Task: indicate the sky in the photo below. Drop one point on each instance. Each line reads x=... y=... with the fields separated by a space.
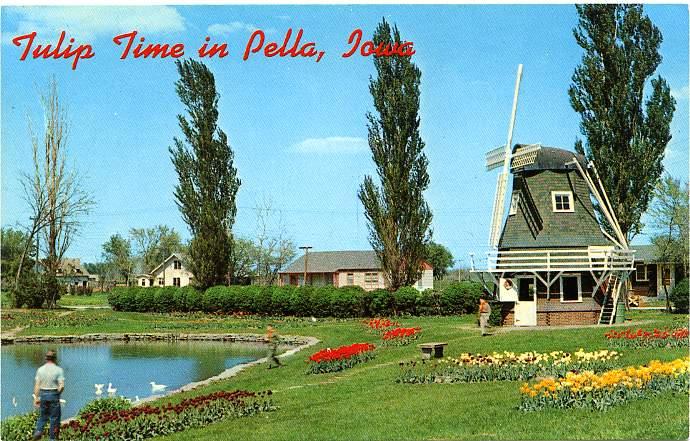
x=298 y=128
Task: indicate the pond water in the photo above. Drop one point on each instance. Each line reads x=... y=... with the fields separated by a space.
x=129 y=366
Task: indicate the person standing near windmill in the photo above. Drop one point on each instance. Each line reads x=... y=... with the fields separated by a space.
x=484 y=314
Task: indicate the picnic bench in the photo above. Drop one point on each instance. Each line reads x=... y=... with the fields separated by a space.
x=435 y=348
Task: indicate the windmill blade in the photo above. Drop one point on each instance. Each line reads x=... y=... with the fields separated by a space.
x=499 y=200
x=523 y=155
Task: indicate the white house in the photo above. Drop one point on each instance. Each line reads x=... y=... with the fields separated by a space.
x=171 y=272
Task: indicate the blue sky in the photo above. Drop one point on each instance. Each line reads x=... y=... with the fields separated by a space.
x=297 y=127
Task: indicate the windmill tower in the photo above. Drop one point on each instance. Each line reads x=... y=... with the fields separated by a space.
x=504 y=156
x=551 y=261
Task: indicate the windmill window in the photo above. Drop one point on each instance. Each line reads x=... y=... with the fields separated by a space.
x=514 y=202
x=571 y=288
x=562 y=201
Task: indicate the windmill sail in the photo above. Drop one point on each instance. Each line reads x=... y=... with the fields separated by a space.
x=499 y=200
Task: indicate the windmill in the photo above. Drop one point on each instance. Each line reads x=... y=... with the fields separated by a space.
x=505 y=156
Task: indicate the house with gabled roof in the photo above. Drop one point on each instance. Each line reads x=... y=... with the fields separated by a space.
x=172 y=271
x=653 y=277
x=345 y=268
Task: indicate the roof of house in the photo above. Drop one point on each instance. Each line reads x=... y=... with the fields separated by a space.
x=645 y=253
x=72 y=266
x=180 y=256
x=332 y=261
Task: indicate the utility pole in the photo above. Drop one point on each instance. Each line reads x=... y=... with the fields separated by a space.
x=306 y=260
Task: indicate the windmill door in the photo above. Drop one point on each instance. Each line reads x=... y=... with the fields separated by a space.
x=526 y=305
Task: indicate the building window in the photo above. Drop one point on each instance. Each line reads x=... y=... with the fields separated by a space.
x=161 y=282
x=176 y=281
x=371 y=279
x=177 y=264
x=350 y=278
x=143 y=282
x=571 y=288
x=514 y=202
x=562 y=201
x=641 y=274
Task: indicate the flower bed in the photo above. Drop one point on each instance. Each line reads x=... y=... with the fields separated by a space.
x=401 y=336
x=380 y=325
x=505 y=366
x=608 y=389
x=333 y=360
x=148 y=421
x=648 y=339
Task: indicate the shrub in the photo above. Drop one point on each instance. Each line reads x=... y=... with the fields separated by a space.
x=347 y=301
x=213 y=299
x=461 y=298
x=105 y=405
x=679 y=297
x=405 y=300
x=380 y=303
x=20 y=427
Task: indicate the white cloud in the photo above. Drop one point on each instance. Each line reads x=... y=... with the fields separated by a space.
x=226 y=29
x=333 y=144
x=85 y=22
x=680 y=94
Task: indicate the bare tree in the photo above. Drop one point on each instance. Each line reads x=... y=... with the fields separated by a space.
x=54 y=192
x=273 y=249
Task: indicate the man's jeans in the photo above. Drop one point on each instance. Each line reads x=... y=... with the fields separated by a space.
x=50 y=411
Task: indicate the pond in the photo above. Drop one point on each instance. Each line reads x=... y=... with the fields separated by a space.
x=129 y=366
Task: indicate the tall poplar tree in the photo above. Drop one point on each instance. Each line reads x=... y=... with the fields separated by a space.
x=625 y=133
x=398 y=217
x=208 y=179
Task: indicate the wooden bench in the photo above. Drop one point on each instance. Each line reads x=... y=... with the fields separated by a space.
x=432 y=348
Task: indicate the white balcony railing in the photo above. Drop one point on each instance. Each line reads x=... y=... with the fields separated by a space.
x=557 y=260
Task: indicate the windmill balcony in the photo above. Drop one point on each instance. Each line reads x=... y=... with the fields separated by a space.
x=559 y=260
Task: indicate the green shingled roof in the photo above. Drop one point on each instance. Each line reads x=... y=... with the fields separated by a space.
x=332 y=261
x=644 y=253
x=536 y=225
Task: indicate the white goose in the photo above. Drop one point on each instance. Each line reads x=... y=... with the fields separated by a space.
x=157 y=387
x=14 y=401
x=110 y=389
x=99 y=388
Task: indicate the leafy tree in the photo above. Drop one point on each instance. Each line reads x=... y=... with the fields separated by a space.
x=398 y=217
x=153 y=245
x=12 y=244
x=104 y=271
x=208 y=181
x=240 y=265
x=117 y=252
x=626 y=135
x=669 y=215
x=440 y=258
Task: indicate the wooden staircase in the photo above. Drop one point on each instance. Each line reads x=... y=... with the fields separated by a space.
x=608 y=307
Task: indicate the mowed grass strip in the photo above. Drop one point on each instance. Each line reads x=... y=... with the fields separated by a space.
x=365 y=403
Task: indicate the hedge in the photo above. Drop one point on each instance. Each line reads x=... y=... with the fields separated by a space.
x=680 y=297
x=304 y=301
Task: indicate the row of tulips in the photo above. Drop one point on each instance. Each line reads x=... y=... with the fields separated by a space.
x=150 y=421
x=344 y=357
x=646 y=339
x=401 y=336
x=380 y=325
x=504 y=366
x=589 y=390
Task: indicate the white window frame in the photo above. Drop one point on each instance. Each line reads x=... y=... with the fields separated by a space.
x=638 y=275
x=514 y=202
x=571 y=201
x=579 y=287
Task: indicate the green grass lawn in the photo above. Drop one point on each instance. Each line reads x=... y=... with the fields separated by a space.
x=97 y=299
x=365 y=402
